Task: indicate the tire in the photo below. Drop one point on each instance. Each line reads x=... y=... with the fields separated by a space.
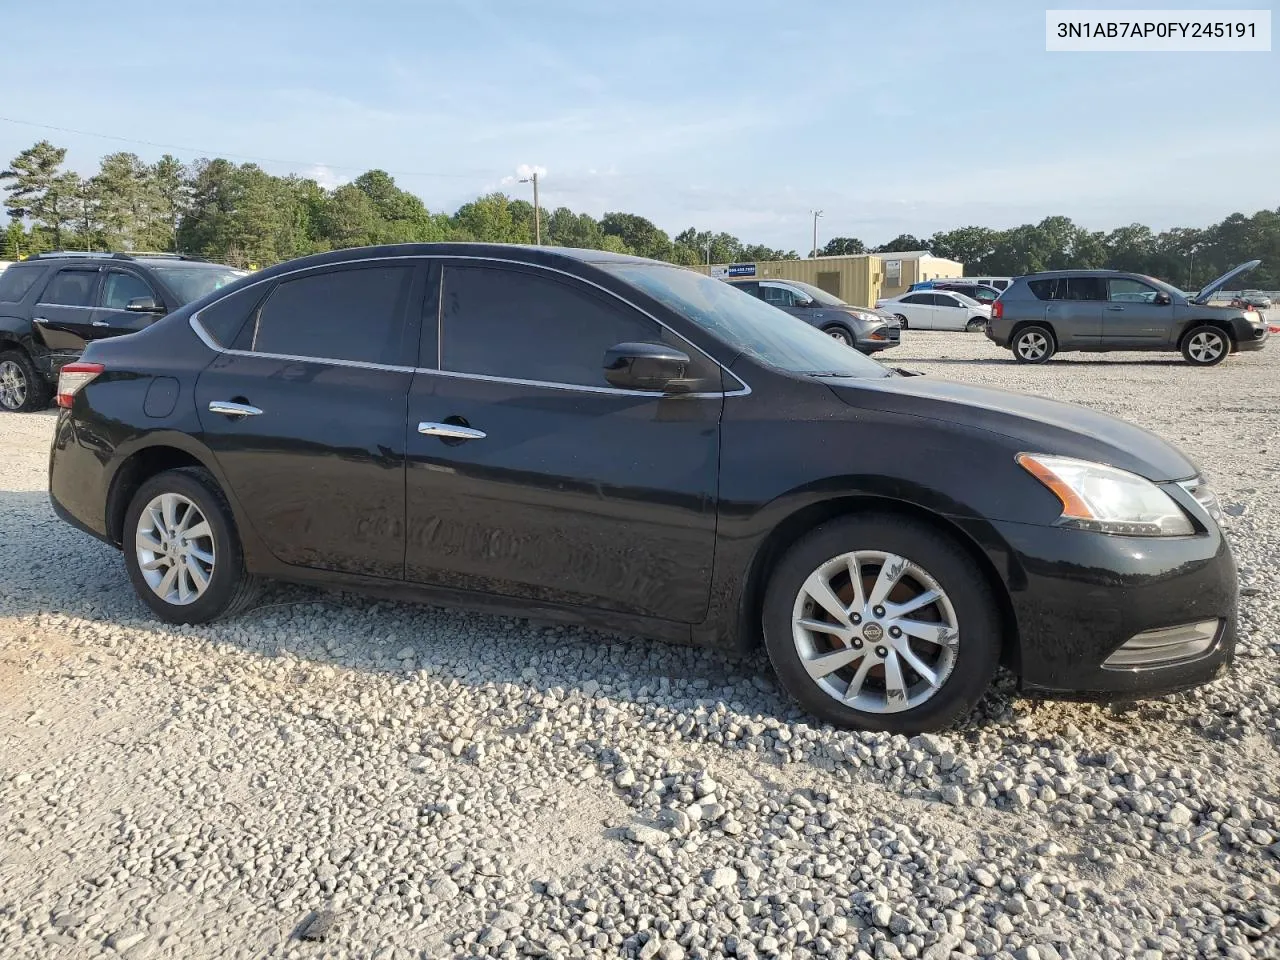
x=229 y=589
x=1205 y=346
x=840 y=334
x=23 y=388
x=976 y=325
x=964 y=625
x=902 y=321
x=1033 y=344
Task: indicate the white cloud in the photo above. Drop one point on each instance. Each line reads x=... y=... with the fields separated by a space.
x=326 y=177
x=524 y=172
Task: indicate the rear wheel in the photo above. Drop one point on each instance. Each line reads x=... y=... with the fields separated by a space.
x=1205 y=346
x=1033 y=344
x=881 y=623
x=182 y=551
x=22 y=388
x=840 y=334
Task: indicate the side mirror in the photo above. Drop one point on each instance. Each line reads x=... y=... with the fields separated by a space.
x=1163 y=299
x=804 y=303
x=143 y=305
x=647 y=366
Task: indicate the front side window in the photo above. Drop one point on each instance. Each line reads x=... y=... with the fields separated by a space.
x=119 y=288
x=71 y=288
x=1086 y=288
x=354 y=314
x=777 y=295
x=942 y=300
x=745 y=325
x=522 y=325
x=1125 y=290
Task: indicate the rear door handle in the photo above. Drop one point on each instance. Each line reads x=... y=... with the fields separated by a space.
x=232 y=409
x=1121 y=309
x=453 y=431
x=101 y=323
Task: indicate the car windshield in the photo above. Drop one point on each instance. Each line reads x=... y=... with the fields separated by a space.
x=193 y=282
x=751 y=326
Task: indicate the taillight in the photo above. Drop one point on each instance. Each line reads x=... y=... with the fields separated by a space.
x=73 y=378
x=997 y=310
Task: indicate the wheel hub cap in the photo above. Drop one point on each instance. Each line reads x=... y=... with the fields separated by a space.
x=1205 y=346
x=875 y=631
x=13 y=385
x=175 y=549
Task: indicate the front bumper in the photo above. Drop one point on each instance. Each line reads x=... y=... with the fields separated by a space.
x=1250 y=336
x=1078 y=598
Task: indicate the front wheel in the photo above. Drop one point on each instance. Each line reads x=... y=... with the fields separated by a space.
x=976 y=325
x=902 y=321
x=22 y=388
x=182 y=551
x=840 y=334
x=1033 y=344
x=881 y=623
x=1205 y=346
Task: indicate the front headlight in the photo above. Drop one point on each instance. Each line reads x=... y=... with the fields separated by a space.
x=1106 y=500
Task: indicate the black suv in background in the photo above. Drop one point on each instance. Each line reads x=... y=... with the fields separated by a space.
x=53 y=304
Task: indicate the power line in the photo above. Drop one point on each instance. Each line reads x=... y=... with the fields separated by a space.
x=241 y=156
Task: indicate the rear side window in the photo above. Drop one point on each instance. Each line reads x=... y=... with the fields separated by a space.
x=224 y=319
x=1086 y=288
x=1049 y=288
x=16 y=281
x=355 y=314
x=924 y=298
x=71 y=288
x=501 y=322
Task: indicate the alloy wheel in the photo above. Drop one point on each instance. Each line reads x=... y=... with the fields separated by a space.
x=1205 y=347
x=875 y=631
x=13 y=385
x=835 y=333
x=175 y=549
x=1033 y=346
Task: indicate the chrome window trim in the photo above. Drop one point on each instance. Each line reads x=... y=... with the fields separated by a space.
x=66 y=306
x=208 y=340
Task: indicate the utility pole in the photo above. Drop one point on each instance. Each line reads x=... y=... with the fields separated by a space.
x=816 y=215
x=537 y=212
x=708 y=253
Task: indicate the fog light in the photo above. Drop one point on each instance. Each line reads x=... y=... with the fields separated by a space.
x=1166 y=645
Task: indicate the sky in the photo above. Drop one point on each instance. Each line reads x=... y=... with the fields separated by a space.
x=741 y=116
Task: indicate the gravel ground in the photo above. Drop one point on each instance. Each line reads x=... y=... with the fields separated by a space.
x=334 y=776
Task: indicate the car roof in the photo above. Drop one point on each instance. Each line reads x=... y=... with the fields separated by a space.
x=1078 y=272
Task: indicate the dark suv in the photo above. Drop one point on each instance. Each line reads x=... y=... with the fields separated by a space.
x=53 y=304
x=1044 y=313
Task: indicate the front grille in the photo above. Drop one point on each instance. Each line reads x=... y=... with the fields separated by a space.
x=1166 y=645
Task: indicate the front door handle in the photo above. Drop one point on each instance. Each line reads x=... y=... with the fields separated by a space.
x=232 y=409
x=101 y=323
x=453 y=431
x=1121 y=309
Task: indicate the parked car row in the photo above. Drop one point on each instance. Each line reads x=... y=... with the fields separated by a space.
x=617 y=442
x=870 y=331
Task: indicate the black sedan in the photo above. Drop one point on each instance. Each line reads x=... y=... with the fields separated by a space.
x=860 y=327
x=632 y=445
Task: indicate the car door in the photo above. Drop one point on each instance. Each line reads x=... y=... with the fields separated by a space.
x=1132 y=318
x=118 y=287
x=529 y=476
x=1075 y=310
x=949 y=313
x=306 y=413
x=63 y=313
x=917 y=308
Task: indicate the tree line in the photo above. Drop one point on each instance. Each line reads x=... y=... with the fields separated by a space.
x=240 y=214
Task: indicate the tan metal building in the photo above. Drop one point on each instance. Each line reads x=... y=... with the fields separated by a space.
x=854 y=279
x=901 y=270
x=861 y=280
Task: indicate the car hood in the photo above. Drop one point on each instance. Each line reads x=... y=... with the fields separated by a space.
x=1204 y=295
x=1038 y=424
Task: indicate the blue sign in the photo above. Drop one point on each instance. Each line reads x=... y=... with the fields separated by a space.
x=742 y=270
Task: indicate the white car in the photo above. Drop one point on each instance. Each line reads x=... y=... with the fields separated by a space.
x=936 y=310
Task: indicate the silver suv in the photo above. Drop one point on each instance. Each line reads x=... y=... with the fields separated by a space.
x=1044 y=313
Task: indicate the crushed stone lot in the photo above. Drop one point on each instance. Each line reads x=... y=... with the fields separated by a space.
x=335 y=776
